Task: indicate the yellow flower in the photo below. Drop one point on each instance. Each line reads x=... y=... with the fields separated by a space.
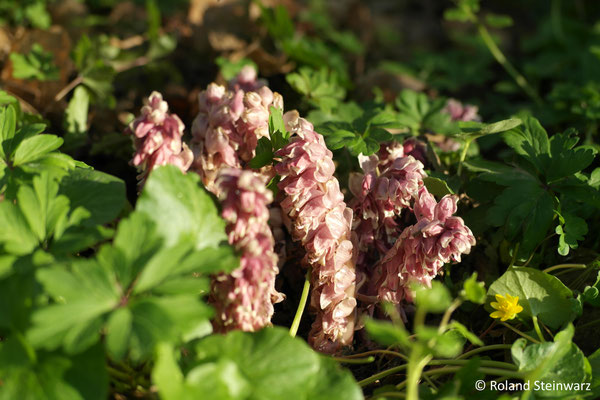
x=508 y=307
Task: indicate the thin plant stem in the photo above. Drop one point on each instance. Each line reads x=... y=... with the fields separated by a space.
x=398 y=395
x=536 y=326
x=301 y=306
x=347 y=360
x=387 y=352
x=502 y=60
x=446 y=317
x=382 y=374
x=514 y=257
x=490 y=347
x=518 y=332
x=489 y=328
x=415 y=370
x=463 y=155
x=430 y=381
x=484 y=370
x=483 y=363
x=588 y=324
x=563 y=266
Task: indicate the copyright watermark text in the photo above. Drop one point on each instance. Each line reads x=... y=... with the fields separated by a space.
x=535 y=385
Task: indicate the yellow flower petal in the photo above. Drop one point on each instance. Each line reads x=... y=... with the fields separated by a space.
x=495 y=305
x=497 y=314
x=518 y=309
x=499 y=298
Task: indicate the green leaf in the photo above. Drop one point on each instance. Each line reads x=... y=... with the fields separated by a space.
x=15 y=235
x=229 y=69
x=268 y=364
x=594 y=360
x=437 y=187
x=8 y=123
x=420 y=115
x=84 y=293
x=540 y=294
x=565 y=158
x=167 y=318
x=555 y=362
x=51 y=376
x=102 y=195
x=44 y=210
x=34 y=148
x=498 y=20
x=470 y=336
x=264 y=154
x=525 y=210
x=473 y=290
x=435 y=299
x=570 y=232
x=530 y=141
x=473 y=130
x=118 y=330
x=386 y=333
x=177 y=204
x=37 y=64
x=76 y=114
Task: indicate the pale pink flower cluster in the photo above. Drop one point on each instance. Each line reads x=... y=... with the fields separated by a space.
x=380 y=195
x=229 y=123
x=321 y=221
x=422 y=249
x=157 y=137
x=462 y=112
x=244 y=298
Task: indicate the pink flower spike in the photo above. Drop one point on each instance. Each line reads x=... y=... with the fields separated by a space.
x=157 y=138
x=321 y=222
x=244 y=299
x=422 y=249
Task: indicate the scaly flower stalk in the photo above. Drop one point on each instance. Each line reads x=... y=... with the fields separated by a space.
x=321 y=221
x=422 y=249
x=157 y=138
x=244 y=298
x=229 y=124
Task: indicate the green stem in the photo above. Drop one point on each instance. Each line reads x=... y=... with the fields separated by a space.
x=483 y=363
x=387 y=352
x=518 y=332
x=382 y=374
x=463 y=155
x=587 y=324
x=301 y=306
x=490 y=347
x=118 y=374
x=399 y=395
x=415 y=369
x=347 y=360
x=563 y=266
x=446 y=318
x=484 y=370
x=514 y=257
x=502 y=60
x=536 y=326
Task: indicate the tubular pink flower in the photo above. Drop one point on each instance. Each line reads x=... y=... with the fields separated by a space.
x=380 y=199
x=229 y=124
x=423 y=248
x=157 y=137
x=244 y=298
x=321 y=222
